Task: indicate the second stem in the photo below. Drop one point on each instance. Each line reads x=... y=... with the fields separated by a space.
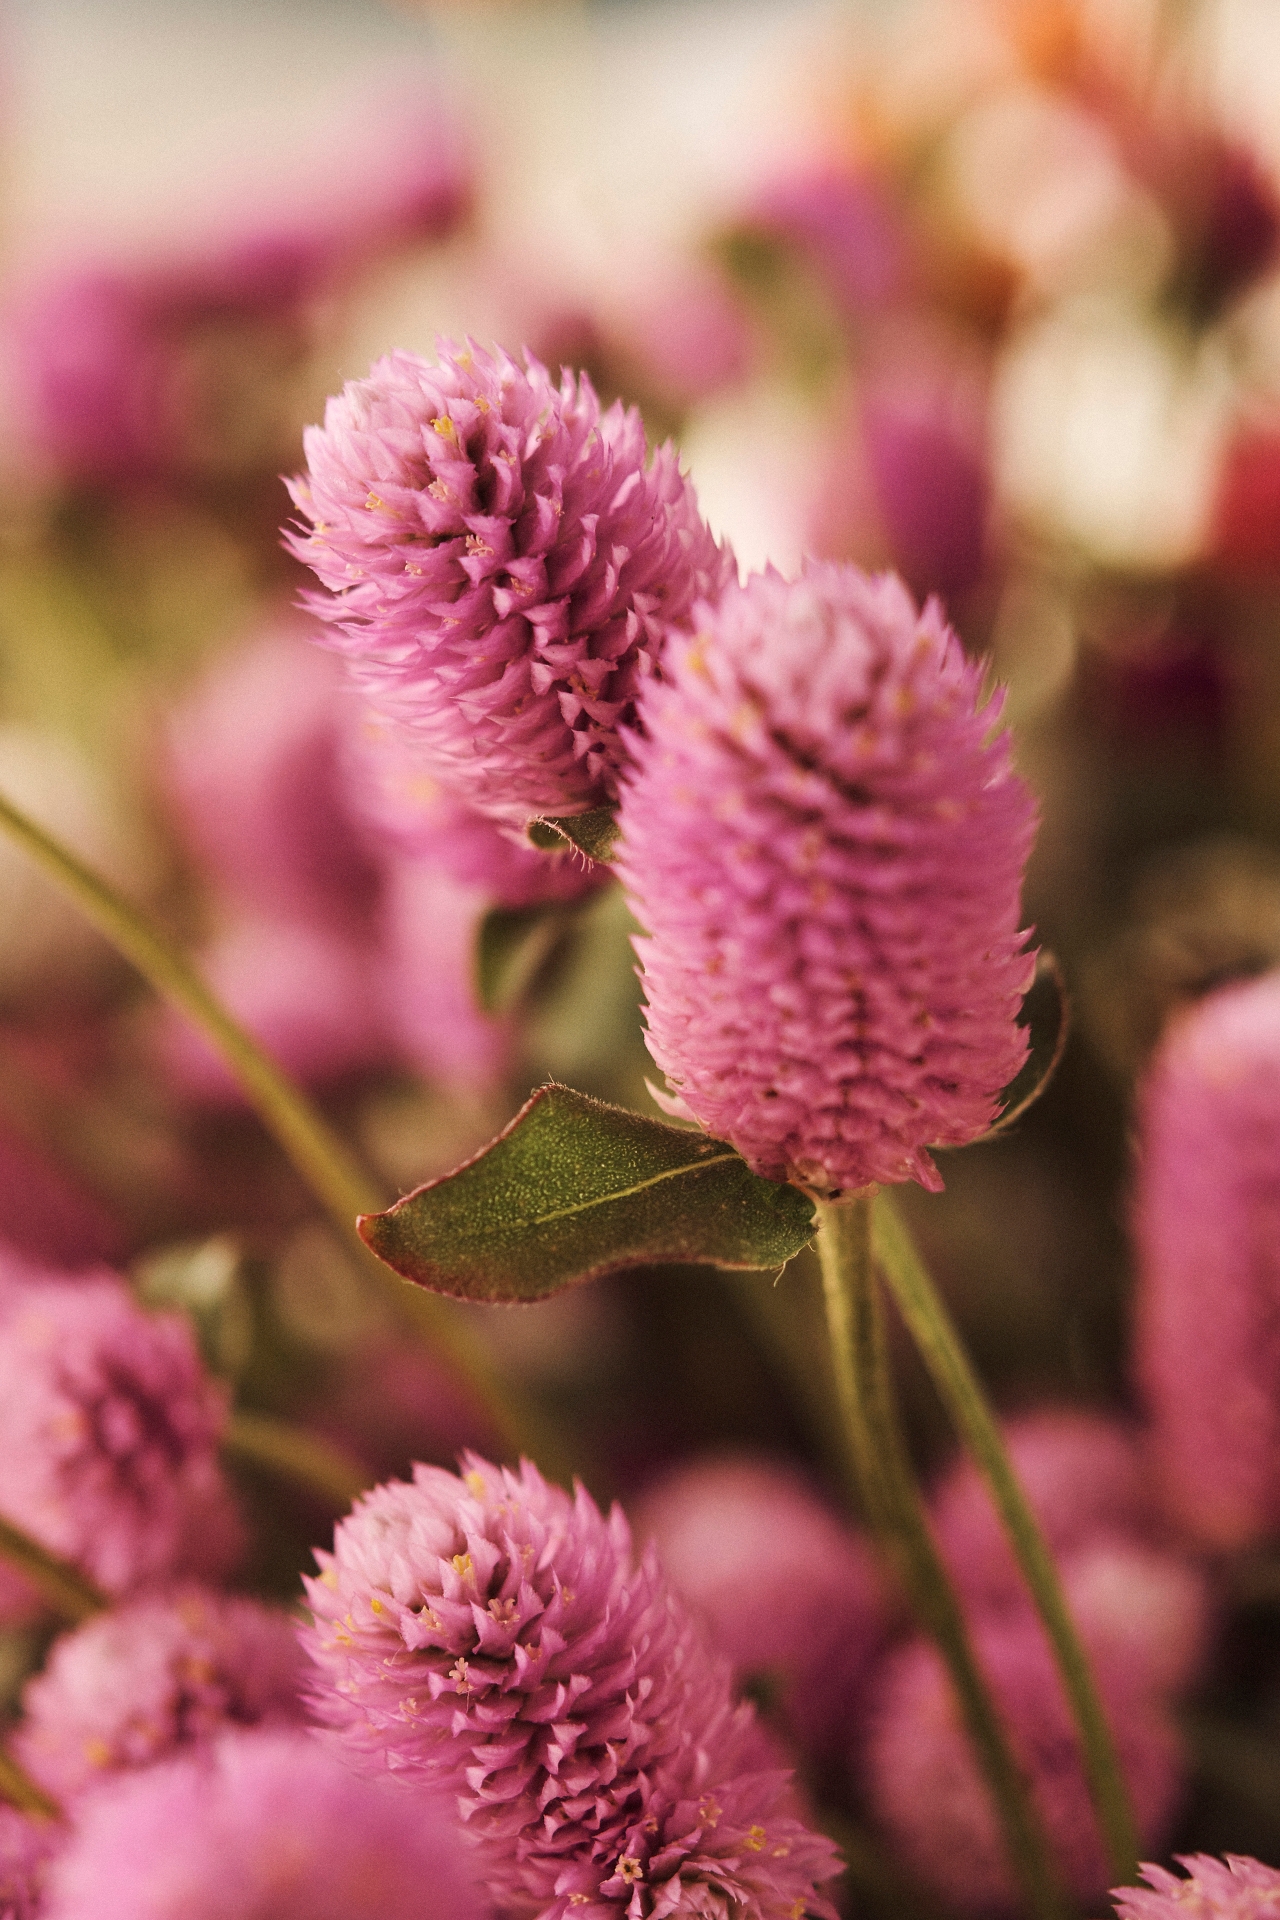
x=855 y=1321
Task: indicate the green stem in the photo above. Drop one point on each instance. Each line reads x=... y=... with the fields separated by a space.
x=62 y=1587
x=934 y=1333
x=294 y=1455
x=21 y=1791
x=315 y=1150
x=855 y=1317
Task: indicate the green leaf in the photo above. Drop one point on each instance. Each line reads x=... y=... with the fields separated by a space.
x=574 y=1188
x=594 y=833
x=512 y=947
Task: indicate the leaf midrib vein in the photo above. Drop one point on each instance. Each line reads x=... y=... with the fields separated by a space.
x=625 y=1193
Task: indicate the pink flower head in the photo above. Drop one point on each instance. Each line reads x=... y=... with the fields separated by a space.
x=161 y=1672
x=109 y=1432
x=493 y=1635
x=264 y=1824
x=26 y=1848
x=1236 y=1888
x=254 y=768
x=927 y=1792
x=788 y=1591
x=501 y=565
x=824 y=839
x=403 y=808
x=1207 y=1228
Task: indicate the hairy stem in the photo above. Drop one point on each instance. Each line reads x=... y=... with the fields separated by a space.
x=322 y=1159
x=855 y=1318
x=21 y=1791
x=62 y=1587
x=292 y=1454
x=934 y=1333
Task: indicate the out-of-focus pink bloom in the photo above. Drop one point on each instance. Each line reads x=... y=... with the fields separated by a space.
x=262 y=1823
x=417 y=1412
x=404 y=807
x=1144 y=1605
x=1206 y=1223
x=927 y=1791
x=433 y=1018
x=306 y=992
x=254 y=770
x=683 y=329
x=1246 y=519
x=844 y=224
x=823 y=839
x=1235 y=1888
x=502 y=559
x=1085 y=1477
x=109 y=1430
x=26 y=1848
x=788 y=1591
x=493 y=1634
x=164 y=1671
x=45 y=1214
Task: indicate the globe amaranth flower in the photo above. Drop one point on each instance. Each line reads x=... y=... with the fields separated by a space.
x=493 y=1635
x=823 y=838
x=928 y=1794
x=792 y=1596
x=163 y=1671
x=264 y=1823
x=109 y=1431
x=501 y=565
x=1206 y=1222
x=1236 y=1888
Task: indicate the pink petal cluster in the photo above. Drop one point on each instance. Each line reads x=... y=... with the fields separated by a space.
x=1236 y=1888
x=823 y=838
x=26 y=1848
x=109 y=1433
x=502 y=560
x=927 y=1791
x=1206 y=1223
x=491 y=1633
x=263 y=1824
x=160 y=1672
x=788 y=1591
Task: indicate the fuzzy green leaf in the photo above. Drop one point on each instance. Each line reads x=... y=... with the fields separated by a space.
x=594 y=833
x=574 y=1188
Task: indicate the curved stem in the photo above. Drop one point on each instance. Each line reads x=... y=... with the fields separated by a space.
x=21 y=1791
x=295 y=1455
x=335 y=1178
x=855 y=1318
x=62 y=1587
x=934 y=1333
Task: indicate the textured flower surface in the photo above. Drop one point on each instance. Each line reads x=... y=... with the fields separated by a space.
x=790 y=1593
x=161 y=1672
x=109 y=1431
x=1235 y=1889
x=1207 y=1226
x=501 y=564
x=824 y=840
x=264 y=1825
x=26 y=1848
x=492 y=1633
x=927 y=1792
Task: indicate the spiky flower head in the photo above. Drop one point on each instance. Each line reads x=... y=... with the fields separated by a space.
x=1207 y=1227
x=501 y=558
x=164 y=1671
x=824 y=838
x=1234 y=1888
x=265 y=1824
x=492 y=1634
x=109 y=1433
